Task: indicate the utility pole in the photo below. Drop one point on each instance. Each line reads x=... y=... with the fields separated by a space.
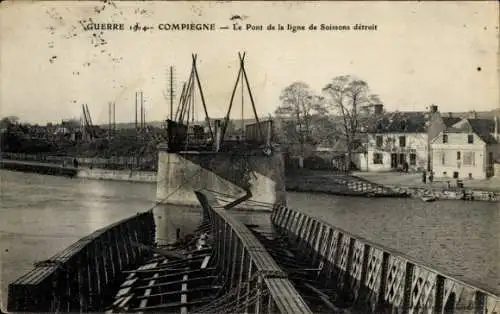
x=142 y=111
x=136 y=111
x=109 y=120
x=171 y=93
x=114 y=117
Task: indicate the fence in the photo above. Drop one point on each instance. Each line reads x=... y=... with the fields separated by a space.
x=79 y=278
x=376 y=279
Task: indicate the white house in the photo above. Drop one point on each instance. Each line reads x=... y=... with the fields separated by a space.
x=467 y=149
x=397 y=139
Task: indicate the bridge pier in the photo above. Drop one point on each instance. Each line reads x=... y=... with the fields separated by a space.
x=224 y=173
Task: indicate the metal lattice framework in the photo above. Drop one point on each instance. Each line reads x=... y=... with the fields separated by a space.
x=375 y=278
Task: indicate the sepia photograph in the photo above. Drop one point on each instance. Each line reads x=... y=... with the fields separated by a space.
x=249 y=157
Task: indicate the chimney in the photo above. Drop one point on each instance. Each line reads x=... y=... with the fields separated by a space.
x=433 y=108
x=379 y=108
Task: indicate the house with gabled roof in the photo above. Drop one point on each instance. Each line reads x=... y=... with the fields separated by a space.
x=466 y=149
x=438 y=122
x=396 y=140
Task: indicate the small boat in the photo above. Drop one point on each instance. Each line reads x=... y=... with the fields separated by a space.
x=428 y=198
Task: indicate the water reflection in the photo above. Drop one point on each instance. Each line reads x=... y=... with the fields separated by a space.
x=40 y=215
x=170 y=218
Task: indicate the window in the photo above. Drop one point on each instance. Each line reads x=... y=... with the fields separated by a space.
x=413 y=159
x=458 y=156
x=402 y=141
x=445 y=138
x=379 y=140
x=469 y=159
x=443 y=158
x=470 y=138
x=377 y=159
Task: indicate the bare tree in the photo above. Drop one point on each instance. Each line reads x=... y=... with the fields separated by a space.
x=348 y=96
x=300 y=105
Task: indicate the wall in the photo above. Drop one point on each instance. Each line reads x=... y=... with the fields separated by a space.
x=179 y=174
x=415 y=143
x=457 y=142
x=117 y=175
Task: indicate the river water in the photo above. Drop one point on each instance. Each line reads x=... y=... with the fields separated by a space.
x=41 y=215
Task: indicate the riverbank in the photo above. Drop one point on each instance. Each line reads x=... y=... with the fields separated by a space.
x=486 y=190
x=38 y=167
x=81 y=172
x=118 y=175
x=314 y=181
x=310 y=181
x=328 y=182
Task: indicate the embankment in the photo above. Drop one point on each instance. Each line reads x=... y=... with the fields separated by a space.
x=82 y=172
x=38 y=167
x=347 y=185
x=448 y=194
x=118 y=175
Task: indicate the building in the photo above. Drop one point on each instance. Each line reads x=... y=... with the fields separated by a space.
x=466 y=149
x=438 y=122
x=396 y=140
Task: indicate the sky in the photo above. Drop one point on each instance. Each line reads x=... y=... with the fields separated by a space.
x=422 y=53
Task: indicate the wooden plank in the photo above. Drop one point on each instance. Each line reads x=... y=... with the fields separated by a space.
x=173 y=305
x=205 y=262
x=118 y=301
x=181 y=273
x=184 y=288
x=165 y=284
x=147 y=266
x=129 y=282
x=123 y=292
x=125 y=301
x=170 y=293
x=148 y=291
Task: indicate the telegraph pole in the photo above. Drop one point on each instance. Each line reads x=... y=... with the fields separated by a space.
x=142 y=111
x=109 y=120
x=171 y=93
x=136 y=111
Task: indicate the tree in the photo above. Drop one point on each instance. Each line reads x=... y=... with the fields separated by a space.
x=300 y=105
x=8 y=121
x=348 y=96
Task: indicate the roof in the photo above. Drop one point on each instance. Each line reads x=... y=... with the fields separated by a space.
x=481 y=127
x=401 y=122
x=341 y=146
x=449 y=121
